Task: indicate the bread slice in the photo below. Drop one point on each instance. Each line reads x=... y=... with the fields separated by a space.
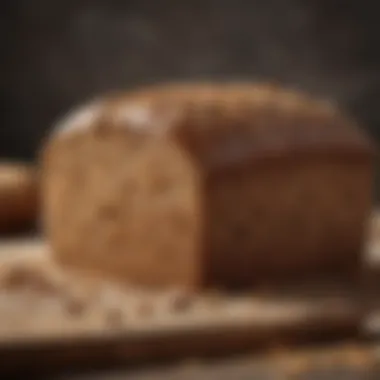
x=208 y=185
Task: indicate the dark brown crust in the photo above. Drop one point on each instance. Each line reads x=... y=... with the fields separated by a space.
x=294 y=220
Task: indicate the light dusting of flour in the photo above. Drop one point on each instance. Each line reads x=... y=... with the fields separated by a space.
x=136 y=116
x=142 y=117
x=80 y=118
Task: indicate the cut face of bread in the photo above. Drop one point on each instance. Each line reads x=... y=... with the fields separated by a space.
x=130 y=207
x=197 y=185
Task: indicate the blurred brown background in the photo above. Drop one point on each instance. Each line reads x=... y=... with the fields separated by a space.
x=56 y=54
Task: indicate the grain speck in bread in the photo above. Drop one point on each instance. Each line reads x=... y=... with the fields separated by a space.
x=18 y=197
x=204 y=185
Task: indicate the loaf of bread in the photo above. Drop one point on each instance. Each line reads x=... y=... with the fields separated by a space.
x=208 y=185
x=18 y=197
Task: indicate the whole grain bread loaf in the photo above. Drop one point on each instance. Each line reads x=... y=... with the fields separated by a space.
x=19 y=202
x=208 y=184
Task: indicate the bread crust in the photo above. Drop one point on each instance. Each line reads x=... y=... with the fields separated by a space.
x=237 y=148
x=214 y=121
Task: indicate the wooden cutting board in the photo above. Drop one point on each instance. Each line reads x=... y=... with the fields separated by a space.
x=257 y=321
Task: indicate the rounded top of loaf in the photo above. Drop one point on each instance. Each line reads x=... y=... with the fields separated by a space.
x=223 y=122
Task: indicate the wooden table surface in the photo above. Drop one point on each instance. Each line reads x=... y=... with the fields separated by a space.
x=338 y=362
x=357 y=360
